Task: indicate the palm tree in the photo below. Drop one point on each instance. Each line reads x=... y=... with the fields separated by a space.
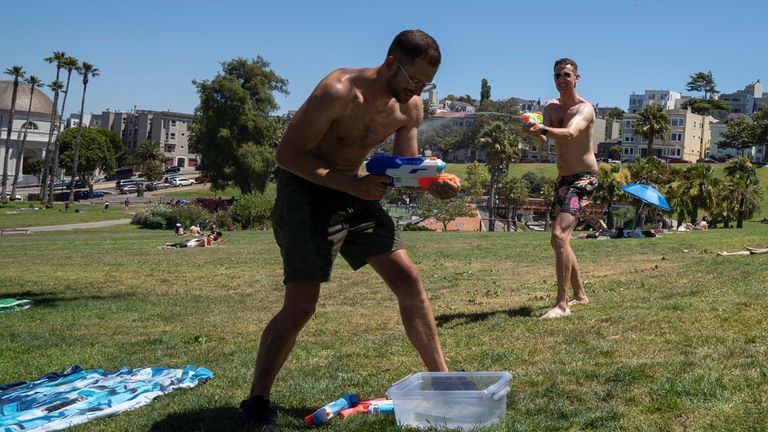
x=500 y=149
x=700 y=185
x=149 y=158
x=612 y=178
x=87 y=70
x=652 y=122
x=740 y=167
x=51 y=158
x=743 y=195
x=58 y=58
x=17 y=72
x=514 y=192
x=34 y=82
x=70 y=64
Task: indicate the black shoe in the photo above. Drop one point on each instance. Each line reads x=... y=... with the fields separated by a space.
x=258 y=415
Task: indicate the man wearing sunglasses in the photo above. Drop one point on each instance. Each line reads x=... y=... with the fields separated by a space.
x=324 y=207
x=569 y=121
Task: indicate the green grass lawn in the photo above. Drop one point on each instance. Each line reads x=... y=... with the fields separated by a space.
x=18 y=214
x=674 y=339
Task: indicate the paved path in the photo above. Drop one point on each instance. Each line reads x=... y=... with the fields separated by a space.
x=98 y=224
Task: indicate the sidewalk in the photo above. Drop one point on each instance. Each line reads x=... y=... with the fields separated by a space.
x=99 y=224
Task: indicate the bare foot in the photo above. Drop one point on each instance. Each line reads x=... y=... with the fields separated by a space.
x=575 y=301
x=556 y=312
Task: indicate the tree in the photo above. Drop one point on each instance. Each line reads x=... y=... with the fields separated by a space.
x=87 y=70
x=652 y=122
x=706 y=106
x=58 y=58
x=513 y=191
x=17 y=72
x=760 y=120
x=443 y=211
x=442 y=138
x=742 y=196
x=233 y=129
x=50 y=163
x=500 y=147
x=615 y=114
x=475 y=182
x=700 y=186
x=740 y=135
x=703 y=82
x=485 y=90
x=148 y=158
x=118 y=148
x=612 y=178
x=429 y=109
x=34 y=166
x=95 y=153
x=34 y=82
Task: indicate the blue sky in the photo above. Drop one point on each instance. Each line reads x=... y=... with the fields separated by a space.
x=150 y=51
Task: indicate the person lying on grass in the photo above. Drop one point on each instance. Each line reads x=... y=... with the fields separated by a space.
x=206 y=241
x=748 y=251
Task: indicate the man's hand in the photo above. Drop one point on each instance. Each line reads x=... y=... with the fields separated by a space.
x=443 y=189
x=370 y=187
x=534 y=128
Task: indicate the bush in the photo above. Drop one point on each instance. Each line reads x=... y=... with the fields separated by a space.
x=252 y=209
x=187 y=215
x=415 y=227
x=155 y=216
x=213 y=205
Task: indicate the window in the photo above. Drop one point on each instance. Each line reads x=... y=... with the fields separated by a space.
x=29 y=126
x=676 y=137
x=627 y=124
x=173 y=136
x=677 y=122
x=629 y=151
x=170 y=148
x=653 y=96
x=173 y=123
x=677 y=152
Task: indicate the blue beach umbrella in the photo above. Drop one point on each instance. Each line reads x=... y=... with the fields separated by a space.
x=647 y=195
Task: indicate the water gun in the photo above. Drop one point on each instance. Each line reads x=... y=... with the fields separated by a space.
x=419 y=171
x=327 y=412
x=379 y=406
x=532 y=117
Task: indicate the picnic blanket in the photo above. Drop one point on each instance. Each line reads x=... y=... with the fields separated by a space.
x=59 y=400
x=13 y=305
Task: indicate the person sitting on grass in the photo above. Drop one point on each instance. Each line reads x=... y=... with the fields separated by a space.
x=748 y=251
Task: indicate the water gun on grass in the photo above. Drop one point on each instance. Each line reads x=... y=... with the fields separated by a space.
x=327 y=412
x=419 y=172
x=378 y=406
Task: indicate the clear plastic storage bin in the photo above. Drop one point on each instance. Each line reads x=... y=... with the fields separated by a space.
x=463 y=400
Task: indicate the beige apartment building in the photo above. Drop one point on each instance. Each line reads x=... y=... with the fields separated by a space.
x=170 y=129
x=689 y=137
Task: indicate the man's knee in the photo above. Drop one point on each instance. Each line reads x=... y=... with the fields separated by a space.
x=560 y=238
x=407 y=283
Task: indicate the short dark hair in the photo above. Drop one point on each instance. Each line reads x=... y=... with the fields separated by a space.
x=566 y=61
x=409 y=45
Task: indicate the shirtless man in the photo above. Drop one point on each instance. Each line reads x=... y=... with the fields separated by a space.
x=323 y=207
x=569 y=121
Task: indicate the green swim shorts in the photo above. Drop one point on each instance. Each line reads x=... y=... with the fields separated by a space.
x=312 y=224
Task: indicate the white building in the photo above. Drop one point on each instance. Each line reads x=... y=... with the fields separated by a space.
x=37 y=129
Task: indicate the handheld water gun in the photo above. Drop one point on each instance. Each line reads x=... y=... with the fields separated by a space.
x=419 y=171
x=327 y=412
x=380 y=406
x=532 y=117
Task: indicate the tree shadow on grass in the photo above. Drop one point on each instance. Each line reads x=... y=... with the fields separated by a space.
x=224 y=419
x=468 y=318
x=51 y=298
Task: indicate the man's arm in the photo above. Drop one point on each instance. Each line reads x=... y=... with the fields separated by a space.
x=328 y=101
x=585 y=115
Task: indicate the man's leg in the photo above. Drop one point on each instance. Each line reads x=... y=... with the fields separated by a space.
x=279 y=336
x=564 y=262
x=403 y=279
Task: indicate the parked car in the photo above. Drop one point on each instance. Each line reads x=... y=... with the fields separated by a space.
x=677 y=161
x=169 y=179
x=64 y=184
x=86 y=194
x=172 y=170
x=706 y=160
x=182 y=182
x=157 y=186
x=130 y=188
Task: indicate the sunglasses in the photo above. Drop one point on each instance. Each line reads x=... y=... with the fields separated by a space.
x=416 y=84
x=565 y=75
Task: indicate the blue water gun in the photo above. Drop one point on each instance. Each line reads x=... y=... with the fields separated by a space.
x=327 y=412
x=418 y=171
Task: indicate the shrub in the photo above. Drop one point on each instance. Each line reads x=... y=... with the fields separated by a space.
x=187 y=215
x=252 y=209
x=415 y=227
x=155 y=216
x=213 y=205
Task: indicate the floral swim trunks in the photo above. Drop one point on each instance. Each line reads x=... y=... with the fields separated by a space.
x=573 y=192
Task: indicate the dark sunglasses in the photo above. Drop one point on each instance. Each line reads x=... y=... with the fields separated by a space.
x=565 y=75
